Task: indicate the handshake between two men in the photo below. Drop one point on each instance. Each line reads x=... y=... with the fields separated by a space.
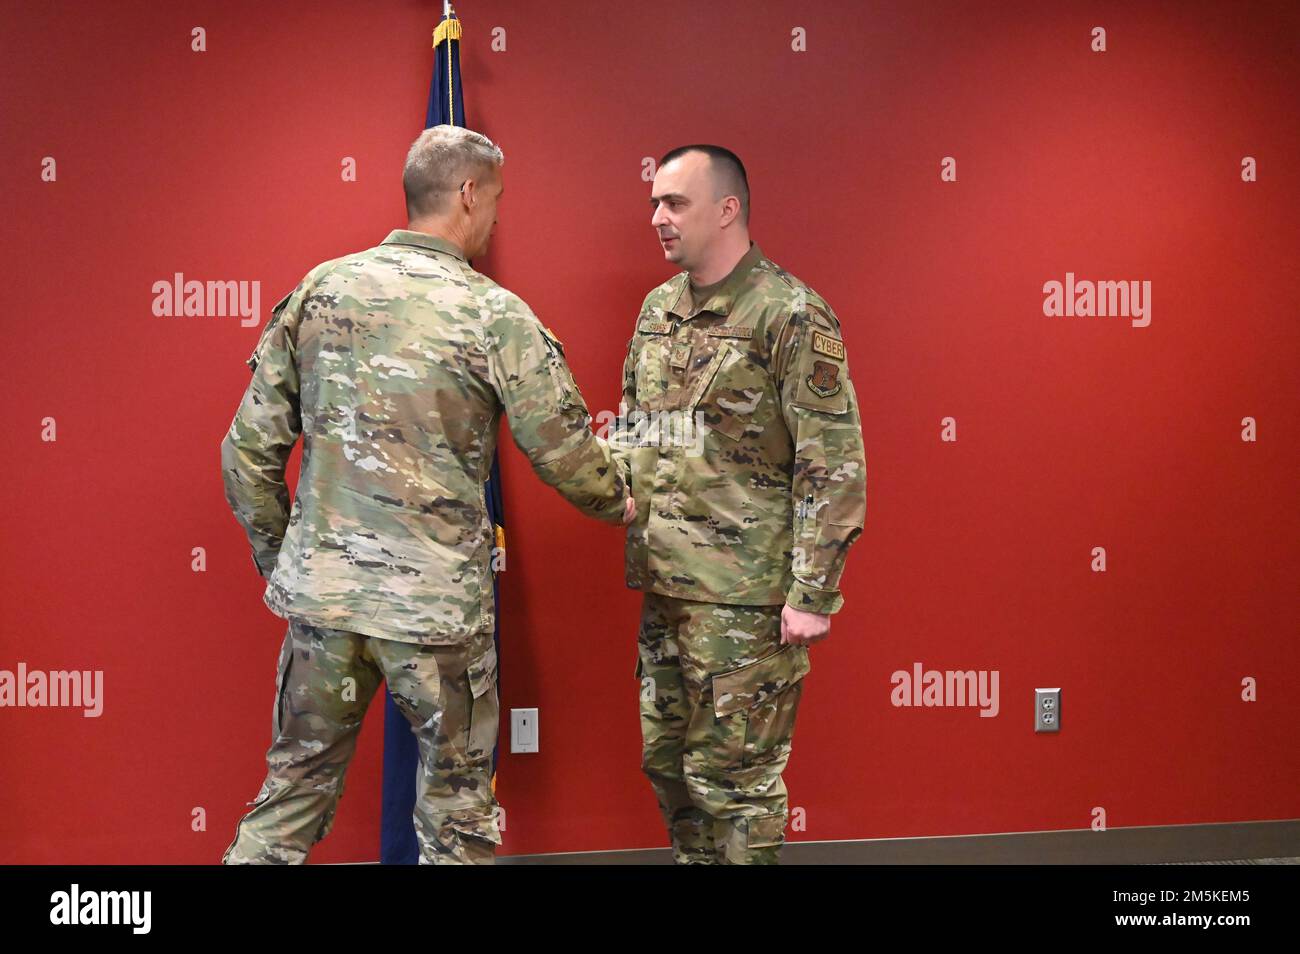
x=395 y=364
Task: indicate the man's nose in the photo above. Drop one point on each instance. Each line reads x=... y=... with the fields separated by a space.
x=658 y=218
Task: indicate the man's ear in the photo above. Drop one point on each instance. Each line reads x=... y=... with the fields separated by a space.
x=467 y=193
x=730 y=211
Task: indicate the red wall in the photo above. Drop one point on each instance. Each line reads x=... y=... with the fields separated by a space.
x=1072 y=432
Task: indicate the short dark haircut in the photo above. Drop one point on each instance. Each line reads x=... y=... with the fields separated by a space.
x=728 y=172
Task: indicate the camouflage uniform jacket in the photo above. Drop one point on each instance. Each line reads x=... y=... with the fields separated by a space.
x=394 y=365
x=760 y=505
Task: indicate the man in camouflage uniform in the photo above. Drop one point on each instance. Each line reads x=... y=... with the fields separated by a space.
x=394 y=365
x=740 y=429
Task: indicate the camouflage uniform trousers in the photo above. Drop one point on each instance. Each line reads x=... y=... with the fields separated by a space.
x=447 y=693
x=719 y=695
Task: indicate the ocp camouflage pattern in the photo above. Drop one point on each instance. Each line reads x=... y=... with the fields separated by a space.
x=767 y=512
x=394 y=365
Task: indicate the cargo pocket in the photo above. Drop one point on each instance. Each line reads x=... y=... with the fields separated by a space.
x=763 y=697
x=281 y=684
x=484 y=707
x=765 y=831
x=262 y=794
x=479 y=825
x=759 y=681
x=646 y=687
x=327 y=823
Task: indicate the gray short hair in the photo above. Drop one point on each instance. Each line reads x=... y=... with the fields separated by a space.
x=440 y=159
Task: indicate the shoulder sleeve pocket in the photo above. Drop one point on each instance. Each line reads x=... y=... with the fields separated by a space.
x=818 y=376
x=271 y=322
x=566 y=388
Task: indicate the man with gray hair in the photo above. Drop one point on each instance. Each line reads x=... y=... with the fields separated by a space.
x=394 y=365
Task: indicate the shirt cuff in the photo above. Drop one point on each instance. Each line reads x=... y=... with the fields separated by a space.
x=810 y=599
x=266 y=564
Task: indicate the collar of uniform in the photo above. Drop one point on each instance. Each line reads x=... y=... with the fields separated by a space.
x=423 y=240
x=720 y=301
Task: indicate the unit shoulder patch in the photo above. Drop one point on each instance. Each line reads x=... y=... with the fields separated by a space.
x=824 y=380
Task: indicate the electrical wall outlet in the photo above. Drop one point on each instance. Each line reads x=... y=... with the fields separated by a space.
x=1047 y=710
x=523 y=730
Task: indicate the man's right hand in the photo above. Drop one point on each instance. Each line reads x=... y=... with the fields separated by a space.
x=629 y=511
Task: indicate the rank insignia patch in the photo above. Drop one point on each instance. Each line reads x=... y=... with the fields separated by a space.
x=825 y=344
x=824 y=380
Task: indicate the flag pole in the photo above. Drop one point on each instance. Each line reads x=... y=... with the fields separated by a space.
x=398 y=843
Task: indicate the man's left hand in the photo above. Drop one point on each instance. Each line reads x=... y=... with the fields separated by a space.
x=801 y=628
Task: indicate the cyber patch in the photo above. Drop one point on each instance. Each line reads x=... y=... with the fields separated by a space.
x=825 y=344
x=824 y=380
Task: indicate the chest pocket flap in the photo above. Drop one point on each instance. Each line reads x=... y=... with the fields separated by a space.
x=729 y=391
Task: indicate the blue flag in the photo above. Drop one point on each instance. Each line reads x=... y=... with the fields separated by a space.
x=397 y=843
